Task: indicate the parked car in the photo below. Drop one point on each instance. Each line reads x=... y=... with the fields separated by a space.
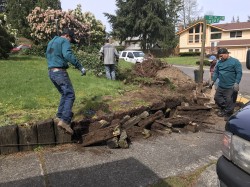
x=20 y=47
x=132 y=56
x=233 y=167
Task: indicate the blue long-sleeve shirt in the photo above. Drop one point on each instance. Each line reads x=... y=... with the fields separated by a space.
x=59 y=53
x=229 y=72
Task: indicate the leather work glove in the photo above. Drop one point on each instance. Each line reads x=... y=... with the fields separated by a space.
x=236 y=87
x=211 y=84
x=83 y=71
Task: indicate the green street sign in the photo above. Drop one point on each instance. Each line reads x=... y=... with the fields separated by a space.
x=214 y=19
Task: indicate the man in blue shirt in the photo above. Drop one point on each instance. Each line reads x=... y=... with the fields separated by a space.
x=229 y=72
x=58 y=54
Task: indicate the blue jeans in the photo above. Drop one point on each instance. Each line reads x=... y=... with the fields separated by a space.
x=63 y=84
x=110 y=71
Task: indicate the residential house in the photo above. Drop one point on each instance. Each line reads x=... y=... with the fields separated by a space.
x=233 y=36
x=132 y=43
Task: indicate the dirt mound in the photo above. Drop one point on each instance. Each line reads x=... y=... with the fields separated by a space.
x=148 y=68
x=165 y=93
x=153 y=72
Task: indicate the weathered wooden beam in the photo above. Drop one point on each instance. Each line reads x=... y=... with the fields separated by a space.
x=98 y=136
x=145 y=123
x=193 y=108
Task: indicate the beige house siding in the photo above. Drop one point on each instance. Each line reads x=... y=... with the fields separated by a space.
x=239 y=53
x=235 y=46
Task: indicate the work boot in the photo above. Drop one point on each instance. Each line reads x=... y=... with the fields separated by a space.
x=221 y=113
x=56 y=120
x=65 y=126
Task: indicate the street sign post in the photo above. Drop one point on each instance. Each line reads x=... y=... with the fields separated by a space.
x=208 y=19
x=214 y=19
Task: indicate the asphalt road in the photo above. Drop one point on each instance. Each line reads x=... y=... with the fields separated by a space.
x=244 y=84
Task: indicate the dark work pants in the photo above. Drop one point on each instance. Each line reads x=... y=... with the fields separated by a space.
x=225 y=99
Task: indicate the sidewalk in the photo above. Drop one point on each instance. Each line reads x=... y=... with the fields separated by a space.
x=144 y=163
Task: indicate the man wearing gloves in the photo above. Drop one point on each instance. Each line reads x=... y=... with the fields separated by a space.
x=58 y=54
x=229 y=72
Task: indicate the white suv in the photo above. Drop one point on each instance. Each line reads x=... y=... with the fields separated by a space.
x=132 y=56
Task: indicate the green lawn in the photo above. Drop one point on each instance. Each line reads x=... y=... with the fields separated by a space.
x=27 y=95
x=182 y=60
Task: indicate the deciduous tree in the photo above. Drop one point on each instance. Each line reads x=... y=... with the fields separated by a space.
x=45 y=24
x=189 y=12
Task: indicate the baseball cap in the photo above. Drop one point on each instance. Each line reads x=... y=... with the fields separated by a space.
x=222 y=51
x=212 y=58
x=71 y=34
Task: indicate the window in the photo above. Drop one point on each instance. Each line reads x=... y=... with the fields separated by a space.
x=196 y=50
x=195 y=34
x=215 y=36
x=124 y=54
x=197 y=38
x=130 y=55
x=191 y=39
x=191 y=30
x=197 y=28
x=138 y=54
x=190 y=50
x=236 y=34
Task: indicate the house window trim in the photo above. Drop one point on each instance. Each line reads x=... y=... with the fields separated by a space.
x=237 y=34
x=192 y=34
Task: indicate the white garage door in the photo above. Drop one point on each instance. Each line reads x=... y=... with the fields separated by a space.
x=239 y=53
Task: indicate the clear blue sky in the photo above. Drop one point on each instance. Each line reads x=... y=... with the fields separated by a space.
x=227 y=8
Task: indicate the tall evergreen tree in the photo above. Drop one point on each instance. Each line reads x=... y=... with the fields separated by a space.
x=143 y=18
x=172 y=8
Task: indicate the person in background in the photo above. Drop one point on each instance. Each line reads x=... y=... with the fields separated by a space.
x=213 y=60
x=229 y=72
x=110 y=56
x=58 y=54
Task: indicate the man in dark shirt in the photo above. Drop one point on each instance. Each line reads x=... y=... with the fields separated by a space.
x=58 y=54
x=229 y=72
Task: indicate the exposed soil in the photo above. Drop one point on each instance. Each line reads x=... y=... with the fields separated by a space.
x=166 y=83
x=159 y=82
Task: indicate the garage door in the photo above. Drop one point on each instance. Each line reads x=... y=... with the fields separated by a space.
x=239 y=53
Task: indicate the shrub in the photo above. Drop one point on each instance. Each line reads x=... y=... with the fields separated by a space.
x=189 y=54
x=91 y=61
x=5 y=44
x=205 y=63
x=35 y=50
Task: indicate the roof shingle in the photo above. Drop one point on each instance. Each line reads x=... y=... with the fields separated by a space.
x=234 y=26
x=234 y=43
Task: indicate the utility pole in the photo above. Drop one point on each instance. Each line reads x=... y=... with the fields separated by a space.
x=203 y=50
